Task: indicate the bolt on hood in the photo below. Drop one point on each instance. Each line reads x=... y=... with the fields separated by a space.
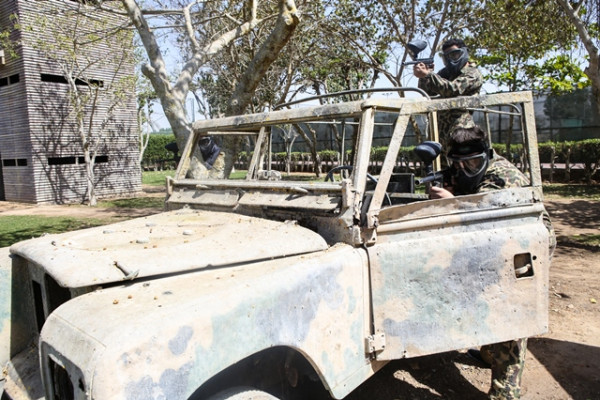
x=165 y=243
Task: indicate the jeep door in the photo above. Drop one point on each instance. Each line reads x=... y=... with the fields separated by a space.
x=453 y=273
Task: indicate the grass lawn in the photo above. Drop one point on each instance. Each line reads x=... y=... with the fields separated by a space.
x=156 y=178
x=588 y=240
x=14 y=228
x=572 y=191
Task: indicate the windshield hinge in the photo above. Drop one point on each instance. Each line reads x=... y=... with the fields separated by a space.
x=375 y=343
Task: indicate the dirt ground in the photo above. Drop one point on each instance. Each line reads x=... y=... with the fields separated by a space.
x=561 y=364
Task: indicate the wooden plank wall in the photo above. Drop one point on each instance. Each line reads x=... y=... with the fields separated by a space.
x=14 y=123
x=50 y=140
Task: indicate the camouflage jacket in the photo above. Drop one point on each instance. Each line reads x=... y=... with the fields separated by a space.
x=467 y=83
x=501 y=174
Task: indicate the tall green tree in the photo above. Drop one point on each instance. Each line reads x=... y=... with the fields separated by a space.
x=584 y=15
x=511 y=40
x=203 y=30
x=380 y=30
x=510 y=36
x=313 y=63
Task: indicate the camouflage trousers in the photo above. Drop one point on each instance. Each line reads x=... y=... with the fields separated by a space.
x=508 y=360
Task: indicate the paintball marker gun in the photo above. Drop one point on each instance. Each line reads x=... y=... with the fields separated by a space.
x=427 y=152
x=414 y=48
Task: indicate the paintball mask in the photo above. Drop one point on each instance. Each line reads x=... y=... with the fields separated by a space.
x=468 y=162
x=455 y=59
x=209 y=150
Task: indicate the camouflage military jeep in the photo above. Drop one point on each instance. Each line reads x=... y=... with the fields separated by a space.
x=291 y=289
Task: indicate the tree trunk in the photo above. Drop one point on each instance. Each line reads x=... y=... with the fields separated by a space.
x=593 y=69
x=242 y=96
x=172 y=97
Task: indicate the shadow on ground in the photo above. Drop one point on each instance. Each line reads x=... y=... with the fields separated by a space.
x=424 y=378
x=574 y=366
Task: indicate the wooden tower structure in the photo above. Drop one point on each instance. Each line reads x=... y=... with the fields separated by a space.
x=41 y=152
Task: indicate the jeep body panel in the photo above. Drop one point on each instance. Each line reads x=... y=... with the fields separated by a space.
x=167 y=337
x=147 y=246
x=459 y=267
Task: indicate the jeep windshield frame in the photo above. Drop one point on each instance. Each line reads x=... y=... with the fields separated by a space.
x=344 y=199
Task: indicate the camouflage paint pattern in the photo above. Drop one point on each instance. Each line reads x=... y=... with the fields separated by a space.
x=451 y=281
x=188 y=328
x=507 y=369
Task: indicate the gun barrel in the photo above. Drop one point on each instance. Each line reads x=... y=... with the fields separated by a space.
x=426 y=61
x=436 y=176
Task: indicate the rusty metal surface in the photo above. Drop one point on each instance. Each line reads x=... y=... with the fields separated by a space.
x=353 y=109
x=502 y=202
x=165 y=243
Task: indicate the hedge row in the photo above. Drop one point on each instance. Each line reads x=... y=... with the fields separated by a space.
x=584 y=152
x=580 y=152
x=155 y=150
x=156 y=157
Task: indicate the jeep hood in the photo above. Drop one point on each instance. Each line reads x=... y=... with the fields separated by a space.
x=169 y=242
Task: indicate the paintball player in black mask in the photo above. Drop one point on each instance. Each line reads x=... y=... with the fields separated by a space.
x=213 y=158
x=468 y=163
x=210 y=151
x=459 y=77
x=476 y=168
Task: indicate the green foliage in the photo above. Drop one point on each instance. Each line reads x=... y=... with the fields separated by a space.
x=500 y=148
x=586 y=152
x=156 y=148
x=547 y=151
x=7 y=41
x=558 y=74
x=329 y=155
x=510 y=38
x=378 y=153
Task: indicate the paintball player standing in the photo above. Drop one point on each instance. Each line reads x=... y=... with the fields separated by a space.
x=459 y=77
x=477 y=168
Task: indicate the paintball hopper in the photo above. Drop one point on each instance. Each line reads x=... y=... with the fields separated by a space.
x=427 y=152
x=415 y=47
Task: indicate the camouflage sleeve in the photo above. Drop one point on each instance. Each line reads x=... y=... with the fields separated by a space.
x=502 y=174
x=467 y=83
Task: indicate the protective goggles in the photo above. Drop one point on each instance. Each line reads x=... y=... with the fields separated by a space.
x=471 y=165
x=453 y=55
